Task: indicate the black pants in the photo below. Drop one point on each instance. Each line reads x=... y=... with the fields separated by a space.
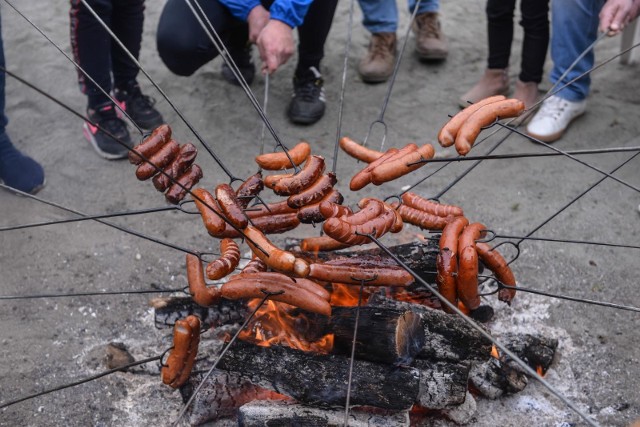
x=96 y=52
x=535 y=22
x=184 y=46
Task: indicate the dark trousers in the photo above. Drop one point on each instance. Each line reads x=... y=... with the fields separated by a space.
x=184 y=46
x=3 y=117
x=97 y=53
x=535 y=22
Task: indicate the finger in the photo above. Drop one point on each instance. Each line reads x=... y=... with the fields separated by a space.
x=606 y=18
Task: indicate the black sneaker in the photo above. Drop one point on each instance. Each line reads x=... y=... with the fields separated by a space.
x=106 y=118
x=139 y=107
x=308 y=103
x=245 y=65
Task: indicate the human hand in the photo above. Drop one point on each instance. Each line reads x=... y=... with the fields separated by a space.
x=275 y=44
x=257 y=19
x=615 y=14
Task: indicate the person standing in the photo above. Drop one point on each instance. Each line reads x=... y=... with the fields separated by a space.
x=380 y=18
x=185 y=47
x=16 y=169
x=495 y=81
x=112 y=69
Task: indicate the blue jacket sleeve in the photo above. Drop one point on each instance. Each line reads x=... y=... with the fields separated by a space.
x=291 y=12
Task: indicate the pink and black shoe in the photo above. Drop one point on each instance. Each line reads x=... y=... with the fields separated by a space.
x=110 y=138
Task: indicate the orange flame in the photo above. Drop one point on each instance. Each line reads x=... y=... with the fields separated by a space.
x=347 y=295
x=540 y=370
x=494 y=352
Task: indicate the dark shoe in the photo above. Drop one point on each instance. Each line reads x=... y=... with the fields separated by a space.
x=308 y=102
x=108 y=121
x=245 y=65
x=377 y=65
x=139 y=107
x=17 y=170
x=431 y=43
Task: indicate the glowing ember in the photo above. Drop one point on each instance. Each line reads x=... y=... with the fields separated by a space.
x=540 y=370
x=494 y=352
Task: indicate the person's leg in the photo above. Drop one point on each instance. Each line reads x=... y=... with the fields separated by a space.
x=574 y=28
x=431 y=43
x=16 y=170
x=380 y=18
x=495 y=80
x=308 y=104
x=183 y=45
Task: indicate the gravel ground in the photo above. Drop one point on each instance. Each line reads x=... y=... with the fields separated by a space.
x=47 y=342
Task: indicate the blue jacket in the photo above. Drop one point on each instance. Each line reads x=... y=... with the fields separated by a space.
x=291 y=12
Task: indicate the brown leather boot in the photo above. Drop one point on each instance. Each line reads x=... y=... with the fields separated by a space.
x=377 y=65
x=431 y=43
x=493 y=82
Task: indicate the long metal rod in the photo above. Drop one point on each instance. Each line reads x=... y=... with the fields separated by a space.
x=85 y=294
x=353 y=356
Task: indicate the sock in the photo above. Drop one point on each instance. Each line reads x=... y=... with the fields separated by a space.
x=17 y=170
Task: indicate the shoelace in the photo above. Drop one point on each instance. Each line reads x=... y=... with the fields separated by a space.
x=429 y=27
x=309 y=90
x=109 y=121
x=380 y=48
x=552 y=108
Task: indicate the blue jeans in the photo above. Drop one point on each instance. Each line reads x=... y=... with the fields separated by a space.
x=574 y=26
x=381 y=16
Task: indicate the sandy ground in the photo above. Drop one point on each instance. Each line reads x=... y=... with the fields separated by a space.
x=47 y=342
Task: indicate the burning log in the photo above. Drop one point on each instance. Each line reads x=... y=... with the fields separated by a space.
x=260 y=414
x=499 y=376
x=320 y=380
x=225 y=312
x=386 y=336
x=448 y=338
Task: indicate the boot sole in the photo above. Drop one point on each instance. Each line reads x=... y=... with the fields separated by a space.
x=374 y=79
x=432 y=56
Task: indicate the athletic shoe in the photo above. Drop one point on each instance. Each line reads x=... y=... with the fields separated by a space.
x=244 y=62
x=139 y=107
x=17 y=170
x=108 y=123
x=554 y=117
x=308 y=103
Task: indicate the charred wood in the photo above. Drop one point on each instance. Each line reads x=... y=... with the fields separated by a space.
x=384 y=335
x=442 y=384
x=447 y=337
x=225 y=312
x=321 y=380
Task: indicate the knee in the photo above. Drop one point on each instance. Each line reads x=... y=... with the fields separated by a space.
x=176 y=53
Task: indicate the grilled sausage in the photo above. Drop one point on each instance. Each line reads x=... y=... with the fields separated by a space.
x=249 y=189
x=178 y=165
x=256 y=265
x=415 y=201
x=213 y=221
x=354 y=275
x=355 y=234
x=294 y=184
x=313 y=193
x=151 y=144
x=496 y=263
x=310 y=214
x=228 y=261
x=363 y=178
x=321 y=244
x=302 y=283
x=447 y=135
x=201 y=293
x=467 y=279
x=420 y=218
x=186 y=337
x=393 y=169
x=447 y=260
x=230 y=206
x=157 y=161
x=330 y=209
x=268 y=224
x=359 y=151
x=185 y=182
x=277 y=161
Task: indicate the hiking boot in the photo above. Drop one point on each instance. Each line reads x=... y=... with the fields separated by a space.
x=431 y=43
x=139 y=107
x=495 y=81
x=17 y=170
x=308 y=102
x=377 y=65
x=245 y=65
x=554 y=117
x=108 y=122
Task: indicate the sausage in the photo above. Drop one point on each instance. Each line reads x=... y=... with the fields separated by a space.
x=344 y=232
x=420 y=218
x=330 y=209
x=212 y=222
x=255 y=287
x=369 y=209
x=321 y=244
x=178 y=165
x=359 y=151
x=451 y=233
x=394 y=169
x=397 y=225
x=353 y=275
x=200 y=292
x=448 y=132
x=363 y=178
x=415 y=201
x=496 y=263
x=467 y=279
x=249 y=189
x=268 y=224
x=157 y=161
x=310 y=214
x=276 y=161
x=151 y=144
x=294 y=184
x=485 y=116
x=184 y=183
x=313 y=193
x=269 y=253
x=256 y=265
x=230 y=206
x=186 y=337
x=302 y=283
x=273 y=209
x=447 y=266
x=228 y=261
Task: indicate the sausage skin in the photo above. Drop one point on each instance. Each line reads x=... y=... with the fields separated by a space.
x=277 y=161
x=186 y=337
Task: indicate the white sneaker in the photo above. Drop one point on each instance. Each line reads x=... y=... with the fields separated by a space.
x=554 y=117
